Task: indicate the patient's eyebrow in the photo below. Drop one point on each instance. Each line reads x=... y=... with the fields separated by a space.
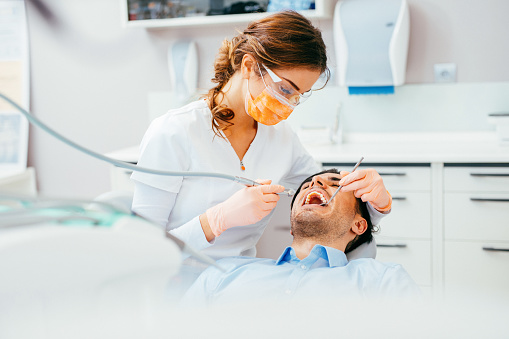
x=334 y=178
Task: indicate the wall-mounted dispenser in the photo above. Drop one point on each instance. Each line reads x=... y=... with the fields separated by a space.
x=183 y=67
x=371 y=44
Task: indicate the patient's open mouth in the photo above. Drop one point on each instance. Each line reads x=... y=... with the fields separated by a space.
x=315 y=198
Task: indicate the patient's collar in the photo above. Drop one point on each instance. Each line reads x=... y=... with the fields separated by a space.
x=319 y=255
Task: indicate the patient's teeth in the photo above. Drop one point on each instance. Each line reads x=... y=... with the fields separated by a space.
x=310 y=195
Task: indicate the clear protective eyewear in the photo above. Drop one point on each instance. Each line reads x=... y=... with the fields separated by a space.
x=283 y=90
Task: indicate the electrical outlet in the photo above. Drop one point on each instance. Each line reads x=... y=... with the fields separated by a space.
x=445 y=72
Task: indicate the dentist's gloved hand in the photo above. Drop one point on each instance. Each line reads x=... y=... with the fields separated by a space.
x=245 y=207
x=368 y=185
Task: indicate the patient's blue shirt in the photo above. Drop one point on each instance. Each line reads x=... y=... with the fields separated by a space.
x=324 y=273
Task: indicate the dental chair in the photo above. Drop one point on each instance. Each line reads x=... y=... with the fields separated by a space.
x=76 y=280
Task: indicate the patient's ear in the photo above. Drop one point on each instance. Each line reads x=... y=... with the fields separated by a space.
x=360 y=225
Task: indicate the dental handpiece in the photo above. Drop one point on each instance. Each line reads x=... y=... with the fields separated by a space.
x=249 y=183
x=333 y=195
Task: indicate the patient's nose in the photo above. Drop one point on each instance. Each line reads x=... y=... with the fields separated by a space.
x=317 y=181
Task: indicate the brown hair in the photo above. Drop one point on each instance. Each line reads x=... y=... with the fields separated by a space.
x=282 y=40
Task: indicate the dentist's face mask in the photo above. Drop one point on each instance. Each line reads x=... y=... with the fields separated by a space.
x=276 y=102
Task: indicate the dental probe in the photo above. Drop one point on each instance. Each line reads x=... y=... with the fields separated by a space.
x=248 y=182
x=333 y=195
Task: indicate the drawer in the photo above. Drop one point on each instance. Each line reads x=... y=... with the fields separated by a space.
x=413 y=255
x=396 y=178
x=476 y=216
x=479 y=272
x=410 y=216
x=476 y=179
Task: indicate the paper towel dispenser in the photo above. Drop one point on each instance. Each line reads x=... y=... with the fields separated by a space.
x=183 y=67
x=371 y=44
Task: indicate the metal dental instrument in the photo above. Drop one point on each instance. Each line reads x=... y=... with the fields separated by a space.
x=249 y=183
x=354 y=168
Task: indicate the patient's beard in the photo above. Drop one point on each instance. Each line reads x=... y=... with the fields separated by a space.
x=307 y=225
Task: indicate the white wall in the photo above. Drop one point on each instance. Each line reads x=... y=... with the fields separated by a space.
x=90 y=77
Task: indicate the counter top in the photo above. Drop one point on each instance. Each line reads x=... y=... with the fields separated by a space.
x=482 y=147
x=415 y=148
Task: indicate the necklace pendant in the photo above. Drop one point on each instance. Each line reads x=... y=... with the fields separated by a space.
x=242 y=166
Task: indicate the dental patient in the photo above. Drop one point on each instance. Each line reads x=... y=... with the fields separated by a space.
x=315 y=265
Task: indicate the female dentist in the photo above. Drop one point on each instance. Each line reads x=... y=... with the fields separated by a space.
x=262 y=74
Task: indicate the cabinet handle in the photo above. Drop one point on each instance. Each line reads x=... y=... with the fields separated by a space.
x=489 y=199
x=489 y=174
x=398 y=198
x=392 y=245
x=494 y=249
x=392 y=173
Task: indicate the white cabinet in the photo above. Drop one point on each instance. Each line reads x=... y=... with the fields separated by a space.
x=476 y=230
x=477 y=268
x=404 y=235
x=477 y=216
x=323 y=9
x=413 y=255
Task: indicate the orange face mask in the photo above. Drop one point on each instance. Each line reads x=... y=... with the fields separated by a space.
x=265 y=108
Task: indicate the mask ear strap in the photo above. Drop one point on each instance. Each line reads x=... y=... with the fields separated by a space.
x=248 y=96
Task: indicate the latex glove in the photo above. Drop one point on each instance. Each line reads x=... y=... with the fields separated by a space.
x=245 y=207
x=368 y=185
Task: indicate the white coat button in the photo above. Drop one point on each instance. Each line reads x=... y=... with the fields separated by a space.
x=288 y=291
x=303 y=267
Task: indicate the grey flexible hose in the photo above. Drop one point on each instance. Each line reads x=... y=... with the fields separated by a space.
x=32 y=119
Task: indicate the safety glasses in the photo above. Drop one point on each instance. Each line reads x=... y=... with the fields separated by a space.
x=283 y=90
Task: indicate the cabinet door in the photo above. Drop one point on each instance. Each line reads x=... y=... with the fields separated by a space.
x=413 y=255
x=476 y=179
x=477 y=268
x=476 y=216
x=410 y=216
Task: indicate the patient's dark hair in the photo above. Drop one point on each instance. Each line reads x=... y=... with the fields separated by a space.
x=362 y=209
